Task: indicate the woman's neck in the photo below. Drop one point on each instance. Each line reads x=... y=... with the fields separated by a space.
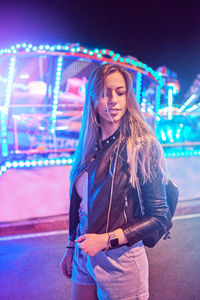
x=108 y=130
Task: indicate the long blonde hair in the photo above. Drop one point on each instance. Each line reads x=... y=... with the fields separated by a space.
x=144 y=151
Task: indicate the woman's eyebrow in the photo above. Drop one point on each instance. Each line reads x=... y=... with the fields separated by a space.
x=118 y=87
x=121 y=87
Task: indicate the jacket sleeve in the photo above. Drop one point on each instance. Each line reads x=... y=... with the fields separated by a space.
x=73 y=213
x=155 y=211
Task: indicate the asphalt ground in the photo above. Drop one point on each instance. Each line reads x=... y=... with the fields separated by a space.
x=30 y=270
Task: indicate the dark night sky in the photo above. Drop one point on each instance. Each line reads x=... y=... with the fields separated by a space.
x=157 y=32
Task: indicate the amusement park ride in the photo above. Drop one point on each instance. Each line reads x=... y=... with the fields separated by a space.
x=42 y=92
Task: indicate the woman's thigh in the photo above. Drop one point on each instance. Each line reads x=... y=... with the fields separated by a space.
x=121 y=273
x=83 y=292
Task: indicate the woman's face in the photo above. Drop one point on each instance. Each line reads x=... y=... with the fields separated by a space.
x=112 y=107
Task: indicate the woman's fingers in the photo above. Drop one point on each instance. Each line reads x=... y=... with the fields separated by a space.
x=80 y=239
x=67 y=271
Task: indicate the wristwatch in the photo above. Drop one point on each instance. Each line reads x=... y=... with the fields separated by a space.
x=113 y=241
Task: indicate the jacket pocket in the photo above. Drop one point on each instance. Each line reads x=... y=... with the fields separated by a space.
x=125 y=209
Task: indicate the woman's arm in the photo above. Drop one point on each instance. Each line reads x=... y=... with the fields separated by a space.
x=92 y=243
x=66 y=262
x=155 y=211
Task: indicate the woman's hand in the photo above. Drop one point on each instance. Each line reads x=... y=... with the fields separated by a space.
x=92 y=243
x=66 y=262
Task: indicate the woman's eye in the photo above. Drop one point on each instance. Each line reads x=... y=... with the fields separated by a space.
x=120 y=93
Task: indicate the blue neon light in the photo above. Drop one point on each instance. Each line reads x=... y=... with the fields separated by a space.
x=138 y=86
x=158 y=95
x=4 y=113
x=189 y=100
x=9 y=84
x=85 y=50
x=35 y=163
x=56 y=94
x=170 y=103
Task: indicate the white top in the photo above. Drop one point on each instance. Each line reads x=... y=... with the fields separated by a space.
x=81 y=184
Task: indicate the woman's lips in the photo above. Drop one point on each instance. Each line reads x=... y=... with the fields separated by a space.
x=113 y=109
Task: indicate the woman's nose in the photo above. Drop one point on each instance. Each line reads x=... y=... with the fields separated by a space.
x=112 y=98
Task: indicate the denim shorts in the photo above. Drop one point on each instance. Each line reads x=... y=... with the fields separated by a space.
x=120 y=273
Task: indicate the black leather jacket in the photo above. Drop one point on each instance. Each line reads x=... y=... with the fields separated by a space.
x=108 y=212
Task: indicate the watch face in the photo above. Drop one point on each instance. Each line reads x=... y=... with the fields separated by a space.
x=114 y=243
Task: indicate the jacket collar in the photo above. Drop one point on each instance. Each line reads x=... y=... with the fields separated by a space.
x=111 y=139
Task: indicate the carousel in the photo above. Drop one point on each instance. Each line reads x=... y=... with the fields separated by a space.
x=42 y=92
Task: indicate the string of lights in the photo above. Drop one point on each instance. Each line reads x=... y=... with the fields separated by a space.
x=56 y=94
x=34 y=163
x=99 y=54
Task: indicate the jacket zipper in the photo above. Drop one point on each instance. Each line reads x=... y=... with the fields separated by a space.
x=111 y=189
x=125 y=206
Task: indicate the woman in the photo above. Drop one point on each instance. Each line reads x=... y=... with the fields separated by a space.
x=116 y=152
